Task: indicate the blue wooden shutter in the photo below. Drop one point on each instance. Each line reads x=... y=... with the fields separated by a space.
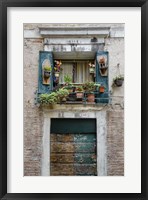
x=102 y=78
x=43 y=56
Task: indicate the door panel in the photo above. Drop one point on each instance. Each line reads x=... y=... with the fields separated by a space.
x=73 y=154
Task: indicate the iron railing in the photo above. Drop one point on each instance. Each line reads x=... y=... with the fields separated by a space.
x=99 y=98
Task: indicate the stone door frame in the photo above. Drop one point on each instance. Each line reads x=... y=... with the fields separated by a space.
x=101 y=131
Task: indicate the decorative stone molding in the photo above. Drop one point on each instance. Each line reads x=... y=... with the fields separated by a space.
x=74 y=31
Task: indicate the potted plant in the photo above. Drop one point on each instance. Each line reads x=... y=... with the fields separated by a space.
x=102 y=89
x=89 y=88
x=68 y=83
x=102 y=65
x=47 y=71
x=51 y=98
x=62 y=94
x=97 y=86
x=91 y=68
x=118 y=81
x=57 y=68
x=79 y=92
x=67 y=79
x=69 y=88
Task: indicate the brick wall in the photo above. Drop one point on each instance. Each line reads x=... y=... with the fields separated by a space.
x=115 y=143
x=32 y=114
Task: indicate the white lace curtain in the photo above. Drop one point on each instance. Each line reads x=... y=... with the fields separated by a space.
x=79 y=73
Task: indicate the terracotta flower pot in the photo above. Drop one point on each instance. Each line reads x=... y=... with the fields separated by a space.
x=90 y=97
x=70 y=90
x=101 y=89
x=79 y=95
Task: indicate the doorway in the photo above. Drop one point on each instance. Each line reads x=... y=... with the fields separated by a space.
x=73 y=147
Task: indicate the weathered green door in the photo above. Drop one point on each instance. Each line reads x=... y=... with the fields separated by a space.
x=73 y=154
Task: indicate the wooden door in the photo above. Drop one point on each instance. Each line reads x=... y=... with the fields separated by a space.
x=73 y=154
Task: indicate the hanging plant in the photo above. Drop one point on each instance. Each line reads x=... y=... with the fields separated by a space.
x=47 y=71
x=57 y=74
x=91 y=68
x=57 y=68
x=118 y=81
x=102 y=65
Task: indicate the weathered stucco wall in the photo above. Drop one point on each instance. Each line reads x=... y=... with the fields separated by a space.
x=33 y=116
x=115 y=47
